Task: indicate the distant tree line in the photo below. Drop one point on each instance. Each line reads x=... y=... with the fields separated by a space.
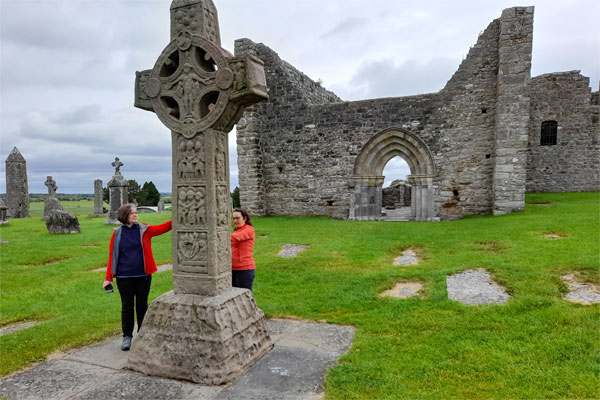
x=146 y=195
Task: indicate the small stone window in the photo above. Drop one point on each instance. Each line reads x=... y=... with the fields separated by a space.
x=549 y=133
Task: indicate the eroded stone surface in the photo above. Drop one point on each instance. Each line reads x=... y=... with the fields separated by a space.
x=474 y=287
x=403 y=290
x=581 y=292
x=291 y=250
x=62 y=222
x=207 y=340
x=408 y=257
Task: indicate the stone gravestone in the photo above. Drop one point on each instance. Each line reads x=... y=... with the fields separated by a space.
x=62 y=222
x=3 y=209
x=204 y=330
x=118 y=193
x=51 y=204
x=17 y=190
x=161 y=206
x=98 y=197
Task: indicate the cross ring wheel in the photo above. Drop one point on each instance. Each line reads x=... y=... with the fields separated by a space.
x=190 y=84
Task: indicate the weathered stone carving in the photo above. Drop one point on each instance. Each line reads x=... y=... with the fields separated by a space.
x=62 y=222
x=205 y=330
x=17 y=189
x=51 y=204
x=118 y=190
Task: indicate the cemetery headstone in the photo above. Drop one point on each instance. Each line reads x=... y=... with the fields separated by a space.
x=204 y=330
x=17 y=189
x=51 y=204
x=3 y=209
x=161 y=206
x=118 y=193
x=98 y=197
x=62 y=222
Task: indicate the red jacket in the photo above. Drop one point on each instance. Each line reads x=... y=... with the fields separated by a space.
x=146 y=232
x=242 y=244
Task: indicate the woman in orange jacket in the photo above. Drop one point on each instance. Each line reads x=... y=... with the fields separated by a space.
x=242 y=244
x=130 y=260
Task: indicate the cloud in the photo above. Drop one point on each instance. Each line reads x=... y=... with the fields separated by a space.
x=383 y=78
x=345 y=26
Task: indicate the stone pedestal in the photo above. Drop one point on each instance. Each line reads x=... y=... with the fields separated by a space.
x=118 y=192
x=207 y=340
x=51 y=205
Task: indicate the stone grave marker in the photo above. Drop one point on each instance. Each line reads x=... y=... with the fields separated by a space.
x=51 y=204
x=3 y=209
x=204 y=330
x=118 y=193
x=98 y=197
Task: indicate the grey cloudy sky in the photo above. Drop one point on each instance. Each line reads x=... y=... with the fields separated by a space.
x=67 y=67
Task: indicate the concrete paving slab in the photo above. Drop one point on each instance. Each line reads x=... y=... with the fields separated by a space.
x=293 y=370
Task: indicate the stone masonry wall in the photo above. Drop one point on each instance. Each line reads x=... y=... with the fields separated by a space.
x=297 y=151
x=296 y=156
x=573 y=164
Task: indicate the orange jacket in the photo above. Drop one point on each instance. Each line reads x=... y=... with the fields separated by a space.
x=147 y=232
x=242 y=244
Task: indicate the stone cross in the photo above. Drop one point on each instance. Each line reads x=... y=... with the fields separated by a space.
x=51 y=184
x=117 y=164
x=204 y=330
x=199 y=91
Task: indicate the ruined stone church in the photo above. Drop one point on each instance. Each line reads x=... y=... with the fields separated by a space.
x=477 y=146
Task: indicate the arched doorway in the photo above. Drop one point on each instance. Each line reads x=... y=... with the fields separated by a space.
x=368 y=174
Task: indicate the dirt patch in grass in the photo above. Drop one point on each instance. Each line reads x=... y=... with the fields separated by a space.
x=16 y=327
x=554 y=235
x=47 y=261
x=541 y=204
x=491 y=246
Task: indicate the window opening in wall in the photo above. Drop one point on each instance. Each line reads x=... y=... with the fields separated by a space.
x=549 y=133
x=329 y=202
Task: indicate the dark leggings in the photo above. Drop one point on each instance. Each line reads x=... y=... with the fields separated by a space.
x=132 y=289
x=243 y=279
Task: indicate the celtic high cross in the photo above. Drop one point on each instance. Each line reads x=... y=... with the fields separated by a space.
x=199 y=91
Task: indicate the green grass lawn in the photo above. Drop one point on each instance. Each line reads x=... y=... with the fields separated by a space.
x=536 y=346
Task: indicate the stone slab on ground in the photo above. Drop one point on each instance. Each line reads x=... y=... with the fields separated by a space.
x=581 y=292
x=408 y=257
x=293 y=370
x=291 y=250
x=403 y=290
x=474 y=287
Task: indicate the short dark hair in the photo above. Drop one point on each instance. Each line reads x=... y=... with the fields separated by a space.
x=245 y=215
x=124 y=211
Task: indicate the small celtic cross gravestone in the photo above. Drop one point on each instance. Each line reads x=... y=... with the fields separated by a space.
x=204 y=330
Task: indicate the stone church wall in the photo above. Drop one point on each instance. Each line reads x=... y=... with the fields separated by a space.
x=573 y=164
x=297 y=152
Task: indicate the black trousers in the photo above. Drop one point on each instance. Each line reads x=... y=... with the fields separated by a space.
x=243 y=279
x=134 y=293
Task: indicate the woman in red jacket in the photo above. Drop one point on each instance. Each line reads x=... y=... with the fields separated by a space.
x=242 y=245
x=130 y=260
